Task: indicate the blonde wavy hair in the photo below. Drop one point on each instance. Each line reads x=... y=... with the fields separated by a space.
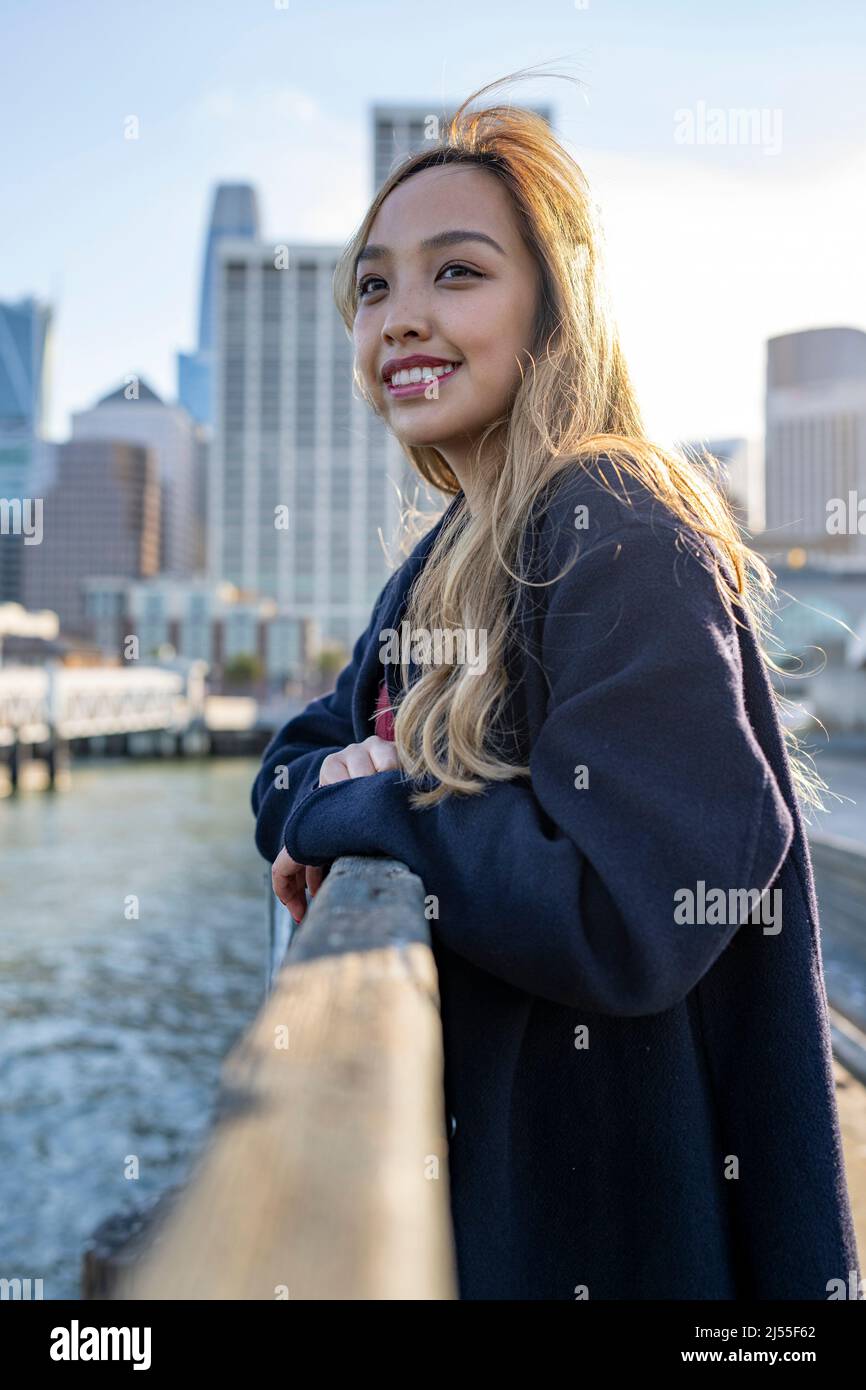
x=575 y=402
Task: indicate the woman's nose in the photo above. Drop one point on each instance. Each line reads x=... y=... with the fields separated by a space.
x=405 y=323
x=402 y=333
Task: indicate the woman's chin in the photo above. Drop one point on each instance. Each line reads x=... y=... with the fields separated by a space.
x=418 y=441
x=419 y=434
x=430 y=428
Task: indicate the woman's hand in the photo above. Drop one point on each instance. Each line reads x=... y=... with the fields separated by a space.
x=356 y=760
x=359 y=760
x=289 y=879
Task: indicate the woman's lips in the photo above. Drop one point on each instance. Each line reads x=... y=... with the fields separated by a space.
x=418 y=388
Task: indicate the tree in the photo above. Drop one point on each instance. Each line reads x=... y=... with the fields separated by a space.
x=330 y=661
x=243 y=669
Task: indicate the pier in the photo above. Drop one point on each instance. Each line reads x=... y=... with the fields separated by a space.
x=52 y=714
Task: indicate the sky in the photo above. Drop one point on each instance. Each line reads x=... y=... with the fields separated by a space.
x=713 y=242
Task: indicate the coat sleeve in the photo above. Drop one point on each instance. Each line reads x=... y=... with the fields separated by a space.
x=646 y=778
x=296 y=752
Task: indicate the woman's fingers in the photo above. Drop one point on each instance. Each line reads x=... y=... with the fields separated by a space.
x=353 y=761
x=359 y=760
x=288 y=879
x=382 y=753
x=333 y=769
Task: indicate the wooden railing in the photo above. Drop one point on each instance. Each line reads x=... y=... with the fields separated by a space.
x=326 y=1176
x=840 y=883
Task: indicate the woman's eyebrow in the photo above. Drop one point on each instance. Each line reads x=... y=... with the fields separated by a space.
x=373 y=252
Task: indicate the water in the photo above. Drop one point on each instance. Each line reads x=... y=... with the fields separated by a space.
x=113 y=1029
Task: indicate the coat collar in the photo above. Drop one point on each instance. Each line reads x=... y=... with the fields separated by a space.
x=396 y=591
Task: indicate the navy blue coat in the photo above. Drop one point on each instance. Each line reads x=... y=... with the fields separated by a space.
x=644 y=1108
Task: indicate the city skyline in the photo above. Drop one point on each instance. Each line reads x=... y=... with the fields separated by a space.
x=725 y=244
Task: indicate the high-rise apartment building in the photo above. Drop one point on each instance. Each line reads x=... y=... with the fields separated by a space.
x=399 y=130
x=100 y=517
x=298 y=492
x=136 y=414
x=25 y=328
x=234 y=215
x=815 y=437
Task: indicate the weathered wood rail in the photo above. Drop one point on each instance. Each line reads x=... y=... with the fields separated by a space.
x=840 y=883
x=326 y=1176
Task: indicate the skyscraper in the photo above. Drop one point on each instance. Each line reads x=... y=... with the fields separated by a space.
x=234 y=214
x=401 y=130
x=298 y=491
x=101 y=517
x=816 y=436
x=24 y=352
x=135 y=414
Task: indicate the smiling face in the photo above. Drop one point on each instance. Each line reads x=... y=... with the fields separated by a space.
x=448 y=287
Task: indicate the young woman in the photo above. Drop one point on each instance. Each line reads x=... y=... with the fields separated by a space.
x=596 y=788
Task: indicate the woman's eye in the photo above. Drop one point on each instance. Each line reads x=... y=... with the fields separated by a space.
x=373 y=283
x=365 y=285
x=465 y=268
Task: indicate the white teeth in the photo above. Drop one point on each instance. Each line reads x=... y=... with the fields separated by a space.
x=409 y=376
